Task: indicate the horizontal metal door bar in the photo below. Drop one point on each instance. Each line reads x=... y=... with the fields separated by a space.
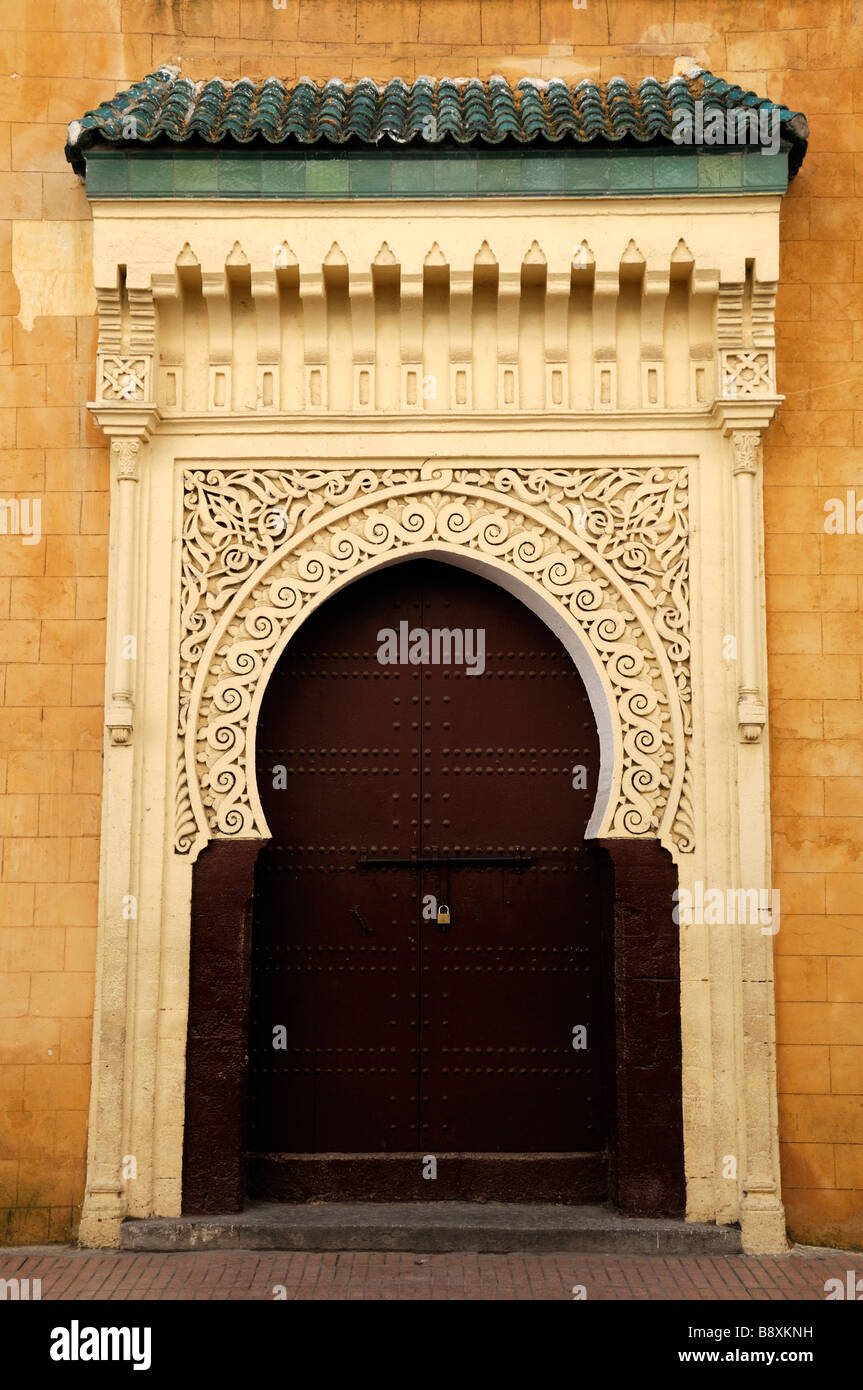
x=431 y=861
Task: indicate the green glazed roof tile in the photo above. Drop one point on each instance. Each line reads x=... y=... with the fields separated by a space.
x=167 y=107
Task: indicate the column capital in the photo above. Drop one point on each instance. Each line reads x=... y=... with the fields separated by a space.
x=124 y=454
x=746 y=444
x=745 y=414
x=137 y=421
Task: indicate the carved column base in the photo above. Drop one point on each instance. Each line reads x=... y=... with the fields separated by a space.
x=102 y=1219
x=762 y=1223
x=751 y=718
x=119 y=722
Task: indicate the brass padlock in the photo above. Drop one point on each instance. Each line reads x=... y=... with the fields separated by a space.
x=443 y=917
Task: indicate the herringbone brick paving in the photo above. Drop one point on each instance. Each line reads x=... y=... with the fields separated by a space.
x=237 y=1275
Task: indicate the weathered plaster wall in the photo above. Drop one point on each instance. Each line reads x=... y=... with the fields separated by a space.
x=60 y=57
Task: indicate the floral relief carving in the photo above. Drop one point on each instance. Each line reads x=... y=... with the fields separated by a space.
x=125 y=454
x=607 y=544
x=746 y=444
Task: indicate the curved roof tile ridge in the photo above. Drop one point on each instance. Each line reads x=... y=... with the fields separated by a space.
x=167 y=106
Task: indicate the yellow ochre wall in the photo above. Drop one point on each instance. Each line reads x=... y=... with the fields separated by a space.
x=59 y=58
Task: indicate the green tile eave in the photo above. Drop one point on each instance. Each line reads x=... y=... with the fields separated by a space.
x=630 y=174
x=543 y=174
x=282 y=178
x=151 y=177
x=264 y=174
x=455 y=176
x=327 y=176
x=369 y=177
x=765 y=172
x=676 y=175
x=720 y=173
x=536 y=116
x=239 y=178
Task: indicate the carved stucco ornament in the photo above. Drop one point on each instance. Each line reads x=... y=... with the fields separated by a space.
x=748 y=373
x=746 y=444
x=124 y=378
x=608 y=545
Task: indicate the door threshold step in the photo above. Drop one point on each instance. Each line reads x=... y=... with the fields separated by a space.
x=432 y=1227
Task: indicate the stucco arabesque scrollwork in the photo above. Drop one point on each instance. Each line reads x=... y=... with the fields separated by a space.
x=608 y=544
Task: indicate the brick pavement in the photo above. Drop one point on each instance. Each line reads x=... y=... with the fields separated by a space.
x=67 y=1273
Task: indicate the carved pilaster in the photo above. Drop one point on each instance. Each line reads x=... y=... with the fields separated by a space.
x=123 y=407
x=128 y=427
x=751 y=711
x=124 y=458
x=762 y=1218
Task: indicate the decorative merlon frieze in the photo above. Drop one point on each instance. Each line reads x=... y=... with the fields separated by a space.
x=501 y=325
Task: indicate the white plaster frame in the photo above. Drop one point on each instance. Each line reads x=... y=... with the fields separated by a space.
x=729 y=1090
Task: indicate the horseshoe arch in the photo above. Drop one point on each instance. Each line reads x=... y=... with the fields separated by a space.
x=615 y=594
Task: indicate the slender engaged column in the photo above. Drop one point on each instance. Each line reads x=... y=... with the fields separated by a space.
x=104 y=1201
x=751 y=713
x=124 y=457
x=762 y=1216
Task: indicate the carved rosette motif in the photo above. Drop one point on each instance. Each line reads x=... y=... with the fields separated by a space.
x=748 y=372
x=123 y=378
x=608 y=544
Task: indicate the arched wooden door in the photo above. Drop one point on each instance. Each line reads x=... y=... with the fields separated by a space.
x=396 y=787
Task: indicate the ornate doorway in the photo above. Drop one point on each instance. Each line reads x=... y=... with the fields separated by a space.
x=427 y=946
x=590 y=442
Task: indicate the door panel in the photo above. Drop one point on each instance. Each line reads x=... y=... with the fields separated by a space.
x=403 y=1037
x=335 y=952
x=519 y=966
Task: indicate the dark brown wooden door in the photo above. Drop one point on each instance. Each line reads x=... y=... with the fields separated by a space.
x=402 y=1035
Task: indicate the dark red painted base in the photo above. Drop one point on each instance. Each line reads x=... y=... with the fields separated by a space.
x=647 y=1131
x=217 y=1046
x=645 y=1158
x=574 y=1179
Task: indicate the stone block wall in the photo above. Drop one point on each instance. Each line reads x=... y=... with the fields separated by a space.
x=60 y=57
